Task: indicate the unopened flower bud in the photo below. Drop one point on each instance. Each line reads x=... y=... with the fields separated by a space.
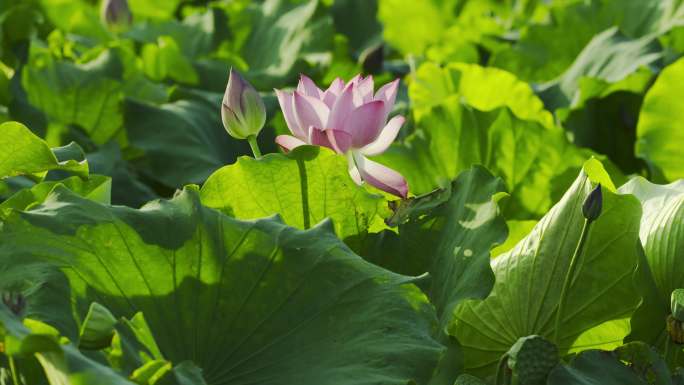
x=593 y=204
x=116 y=14
x=243 y=112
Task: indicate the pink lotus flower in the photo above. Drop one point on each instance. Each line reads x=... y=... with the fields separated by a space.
x=349 y=119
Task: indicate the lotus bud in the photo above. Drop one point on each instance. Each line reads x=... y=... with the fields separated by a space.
x=116 y=13
x=593 y=204
x=243 y=112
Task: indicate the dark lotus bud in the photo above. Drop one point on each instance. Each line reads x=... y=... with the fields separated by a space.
x=15 y=302
x=116 y=14
x=593 y=204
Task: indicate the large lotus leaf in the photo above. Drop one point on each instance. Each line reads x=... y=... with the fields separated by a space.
x=304 y=187
x=604 y=118
x=609 y=56
x=194 y=36
x=425 y=19
x=96 y=187
x=127 y=188
x=448 y=233
x=660 y=131
x=24 y=153
x=525 y=297
x=247 y=301
x=75 y=16
x=631 y=364
x=544 y=51
x=662 y=230
x=62 y=363
x=480 y=87
x=662 y=236
x=79 y=94
x=183 y=141
x=452 y=137
x=142 y=9
x=283 y=34
x=357 y=19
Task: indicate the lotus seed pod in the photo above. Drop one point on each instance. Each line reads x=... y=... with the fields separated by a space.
x=532 y=358
x=675 y=329
x=593 y=204
x=467 y=379
x=677 y=304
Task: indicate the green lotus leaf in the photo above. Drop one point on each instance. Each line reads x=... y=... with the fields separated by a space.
x=529 y=278
x=303 y=187
x=660 y=132
x=531 y=159
x=482 y=88
x=246 y=301
x=662 y=236
x=24 y=153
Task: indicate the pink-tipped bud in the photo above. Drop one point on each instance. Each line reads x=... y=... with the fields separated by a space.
x=243 y=112
x=116 y=14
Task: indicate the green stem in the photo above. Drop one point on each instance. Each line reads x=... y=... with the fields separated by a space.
x=667 y=347
x=13 y=370
x=255 y=146
x=502 y=375
x=569 y=276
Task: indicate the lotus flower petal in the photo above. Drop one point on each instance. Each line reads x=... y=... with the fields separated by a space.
x=286 y=101
x=307 y=87
x=288 y=142
x=310 y=111
x=318 y=137
x=381 y=177
x=343 y=107
x=386 y=137
x=333 y=92
x=340 y=140
x=354 y=172
x=365 y=89
x=365 y=123
x=388 y=94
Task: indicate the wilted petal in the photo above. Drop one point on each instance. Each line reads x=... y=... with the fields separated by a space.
x=318 y=137
x=343 y=107
x=381 y=177
x=307 y=87
x=286 y=101
x=310 y=111
x=340 y=140
x=386 y=137
x=365 y=123
x=287 y=142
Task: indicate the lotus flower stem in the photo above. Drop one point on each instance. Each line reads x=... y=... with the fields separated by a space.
x=503 y=372
x=254 y=145
x=13 y=371
x=569 y=277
